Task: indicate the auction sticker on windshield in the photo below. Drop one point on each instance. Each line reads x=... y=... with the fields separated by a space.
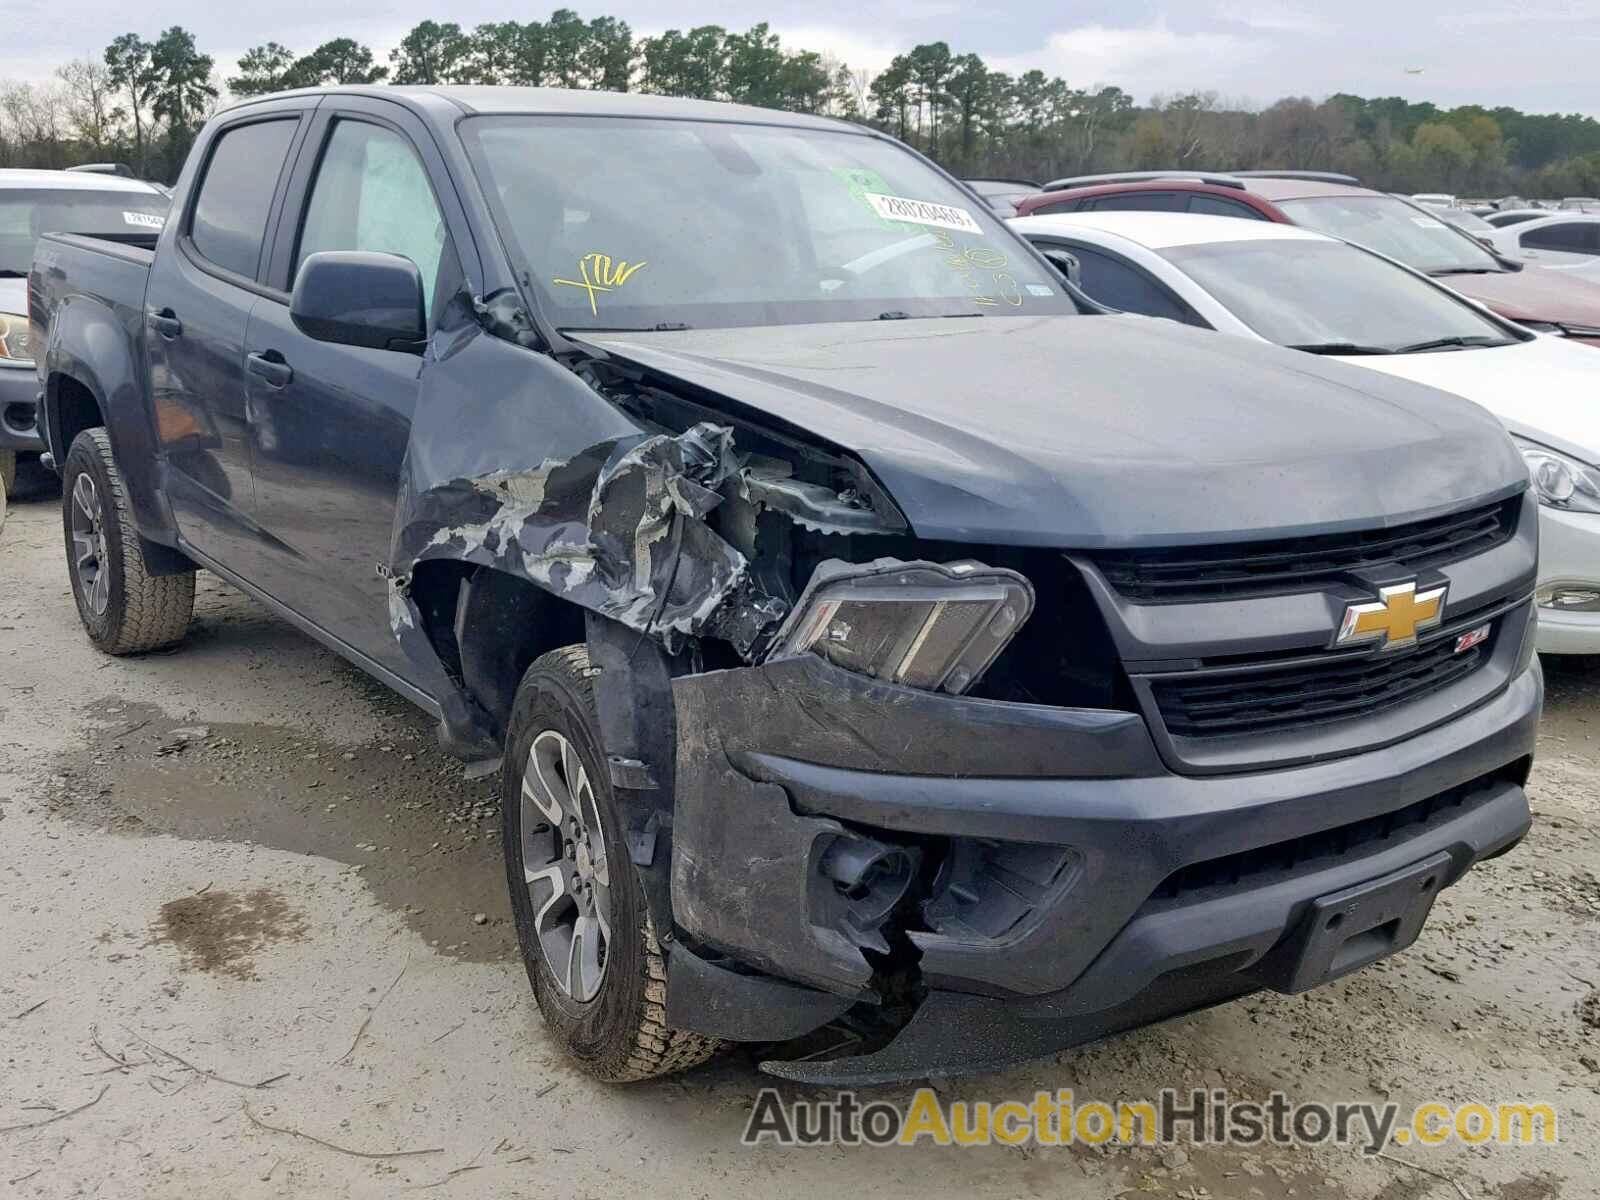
x=143 y=220
x=922 y=212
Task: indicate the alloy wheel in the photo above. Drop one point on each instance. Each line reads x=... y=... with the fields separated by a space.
x=564 y=865
x=89 y=546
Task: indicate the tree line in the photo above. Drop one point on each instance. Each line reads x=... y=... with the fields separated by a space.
x=143 y=100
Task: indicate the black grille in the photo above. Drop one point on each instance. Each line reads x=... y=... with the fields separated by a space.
x=1300 y=564
x=1231 y=702
x=1266 y=864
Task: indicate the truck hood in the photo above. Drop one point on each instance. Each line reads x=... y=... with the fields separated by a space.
x=1090 y=432
x=1543 y=389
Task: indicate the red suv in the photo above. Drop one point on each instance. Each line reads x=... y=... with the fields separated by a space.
x=1549 y=301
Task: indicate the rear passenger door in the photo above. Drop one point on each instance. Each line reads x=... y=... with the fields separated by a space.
x=197 y=305
x=329 y=424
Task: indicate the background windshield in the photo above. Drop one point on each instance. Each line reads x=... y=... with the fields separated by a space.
x=635 y=223
x=24 y=215
x=1417 y=238
x=1307 y=293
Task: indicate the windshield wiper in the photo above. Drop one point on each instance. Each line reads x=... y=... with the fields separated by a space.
x=895 y=314
x=1341 y=348
x=658 y=327
x=1443 y=271
x=1453 y=343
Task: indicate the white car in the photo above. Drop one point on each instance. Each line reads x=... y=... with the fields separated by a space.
x=1304 y=290
x=1514 y=216
x=1569 y=241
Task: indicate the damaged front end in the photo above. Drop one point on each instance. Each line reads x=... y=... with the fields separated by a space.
x=745 y=592
x=618 y=531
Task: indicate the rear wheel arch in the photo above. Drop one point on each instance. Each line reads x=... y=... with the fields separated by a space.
x=71 y=406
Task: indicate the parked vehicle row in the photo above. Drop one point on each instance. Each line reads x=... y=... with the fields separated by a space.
x=871 y=627
x=33 y=203
x=1337 y=205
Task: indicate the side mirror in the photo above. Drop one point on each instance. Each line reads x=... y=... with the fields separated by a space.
x=1067 y=263
x=358 y=298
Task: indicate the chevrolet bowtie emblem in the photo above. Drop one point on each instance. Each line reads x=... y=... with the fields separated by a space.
x=1394 y=619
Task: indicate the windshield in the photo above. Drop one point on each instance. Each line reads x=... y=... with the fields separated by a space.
x=648 y=223
x=1326 y=294
x=1402 y=231
x=24 y=215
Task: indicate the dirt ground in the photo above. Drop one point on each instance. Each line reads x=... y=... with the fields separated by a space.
x=242 y=894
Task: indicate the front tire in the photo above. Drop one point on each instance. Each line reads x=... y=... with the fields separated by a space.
x=124 y=609
x=8 y=471
x=587 y=940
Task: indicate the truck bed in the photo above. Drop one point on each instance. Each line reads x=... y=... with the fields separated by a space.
x=102 y=273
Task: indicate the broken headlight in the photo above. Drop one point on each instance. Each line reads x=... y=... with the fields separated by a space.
x=921 y=624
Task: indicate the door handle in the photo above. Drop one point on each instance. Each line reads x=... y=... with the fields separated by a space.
x=166 y=323
x=270 y=366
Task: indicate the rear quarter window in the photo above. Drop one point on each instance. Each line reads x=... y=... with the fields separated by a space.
x=1139 y=202
x=1216 y=206
x=1060 y=206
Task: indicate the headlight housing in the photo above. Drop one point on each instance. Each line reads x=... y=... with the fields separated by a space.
x=14 y=347
x=1560 y=481
x=921 y=624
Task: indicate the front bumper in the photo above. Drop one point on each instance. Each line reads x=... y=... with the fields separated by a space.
x=1569 y=558
x=1085 y=888
x=19 y=411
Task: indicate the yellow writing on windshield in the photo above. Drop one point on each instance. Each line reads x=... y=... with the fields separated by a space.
x=601 y=273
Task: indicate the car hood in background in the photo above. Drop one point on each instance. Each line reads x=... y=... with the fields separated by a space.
x=1099 y=431
x=1533 y=294
x=1546 y=389
x=14 y=296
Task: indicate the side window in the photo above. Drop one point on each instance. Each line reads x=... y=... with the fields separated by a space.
x=1140 y=202
x=1123 y=285
x=1574 y=237
x=1216 y=206
x=371 y=193
x=230 y=213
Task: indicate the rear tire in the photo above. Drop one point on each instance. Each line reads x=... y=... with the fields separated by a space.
x=124 y=609
x=8 y=470
x=608 y=1011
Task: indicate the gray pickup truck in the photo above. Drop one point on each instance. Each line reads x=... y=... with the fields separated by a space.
x=869 y=632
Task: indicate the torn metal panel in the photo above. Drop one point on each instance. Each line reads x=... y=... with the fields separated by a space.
x=618 y=529
x=812 y=505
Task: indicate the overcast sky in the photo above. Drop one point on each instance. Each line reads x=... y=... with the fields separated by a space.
x=1543 y=58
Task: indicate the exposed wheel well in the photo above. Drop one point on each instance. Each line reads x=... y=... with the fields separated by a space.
x=488 y=626
x=73 y=409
